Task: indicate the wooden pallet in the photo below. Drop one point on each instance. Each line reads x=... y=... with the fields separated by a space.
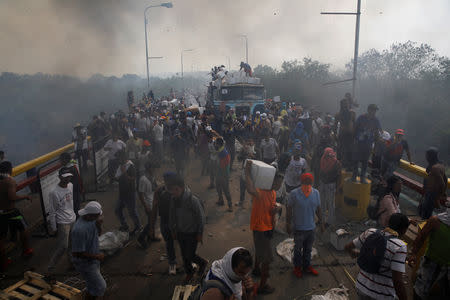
x=34 y=287
x=182 y=292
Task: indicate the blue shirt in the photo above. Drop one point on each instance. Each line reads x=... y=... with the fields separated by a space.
x=304 y=208
x=84 y=238
x=366 y=129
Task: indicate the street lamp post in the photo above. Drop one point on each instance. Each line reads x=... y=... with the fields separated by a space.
x=166 y=5
x=246 y=47
x=185 y=50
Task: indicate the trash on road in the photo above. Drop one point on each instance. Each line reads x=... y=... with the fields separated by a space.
x=340 y=293
x=110 y=242
x=285 y=249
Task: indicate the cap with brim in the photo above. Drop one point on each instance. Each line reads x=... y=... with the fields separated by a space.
x=92 y=208
x=65 y=172
x=66 y=175
x=400 y=132
x=77 y=125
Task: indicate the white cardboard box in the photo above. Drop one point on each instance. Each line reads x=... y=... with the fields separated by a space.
x=262 y=174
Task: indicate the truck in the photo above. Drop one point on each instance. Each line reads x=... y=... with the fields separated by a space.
x=244 y=94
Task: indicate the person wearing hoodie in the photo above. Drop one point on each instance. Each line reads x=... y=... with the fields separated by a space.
x=434 y=185
x=231 y=273
x=299 y=133
x=187 y=220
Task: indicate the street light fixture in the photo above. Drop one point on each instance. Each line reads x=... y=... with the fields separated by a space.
x=166 y=5
x=185 y=50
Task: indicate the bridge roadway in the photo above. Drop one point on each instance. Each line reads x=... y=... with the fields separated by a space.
x=133 y=273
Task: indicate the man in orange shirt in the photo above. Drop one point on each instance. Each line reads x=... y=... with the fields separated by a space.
x=262 y=224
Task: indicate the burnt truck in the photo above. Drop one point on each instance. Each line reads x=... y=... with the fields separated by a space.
x=235 y=90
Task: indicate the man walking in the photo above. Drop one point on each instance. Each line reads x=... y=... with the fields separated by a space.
x=85 y=249
x=126 y=175
x=303 y=204
x=187 y=220
x=223 y=174
x=367 y=129
x=61 y=215
x=162 y=203
x=262 y=224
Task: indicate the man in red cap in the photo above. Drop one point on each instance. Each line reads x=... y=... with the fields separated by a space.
x=394 y=153
x=303 y=204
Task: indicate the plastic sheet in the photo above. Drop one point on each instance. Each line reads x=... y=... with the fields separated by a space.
x=110 y=242
x=285 y=249
x=340 y=293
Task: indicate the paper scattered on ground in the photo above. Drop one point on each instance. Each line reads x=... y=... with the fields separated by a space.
x=285 y=249
x=340 y=293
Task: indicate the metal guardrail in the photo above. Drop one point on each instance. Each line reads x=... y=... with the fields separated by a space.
x=415 y=169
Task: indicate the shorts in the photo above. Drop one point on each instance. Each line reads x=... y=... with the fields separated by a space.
x=263 y=246
x=13 y=220
x=429 y=273
x=90 y=271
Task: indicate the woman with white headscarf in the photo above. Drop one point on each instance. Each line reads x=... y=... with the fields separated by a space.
x=229 y=277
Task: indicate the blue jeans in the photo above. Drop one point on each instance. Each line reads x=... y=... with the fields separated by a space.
x=170 y=247
x=90 y=271
x=303 y=240
x=130 y=203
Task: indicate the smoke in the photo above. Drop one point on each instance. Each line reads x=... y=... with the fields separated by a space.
x=85 y=37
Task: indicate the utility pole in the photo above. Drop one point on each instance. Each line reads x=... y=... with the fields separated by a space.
x=355 y=55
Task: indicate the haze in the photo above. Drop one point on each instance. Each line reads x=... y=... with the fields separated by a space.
x=85 y=37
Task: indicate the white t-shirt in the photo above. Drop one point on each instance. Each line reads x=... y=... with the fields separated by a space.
x=381 y=286
x=294 y=171
x=61 y=206
x=145 y=187
x=158 y=131
x=269 y=148
x=114 y=148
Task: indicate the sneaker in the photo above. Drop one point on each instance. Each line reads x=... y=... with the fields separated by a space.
x=311 y=270
x=27 y=252
x=172 y=269
x=298 y=272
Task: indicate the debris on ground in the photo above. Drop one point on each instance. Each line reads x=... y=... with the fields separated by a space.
x=340 y=293
x=285 y=249
x=110 y=242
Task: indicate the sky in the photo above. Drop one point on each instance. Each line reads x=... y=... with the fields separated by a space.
x=86 y=37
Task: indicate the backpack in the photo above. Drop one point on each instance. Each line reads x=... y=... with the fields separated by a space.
x=371 y=255
x=210 y=284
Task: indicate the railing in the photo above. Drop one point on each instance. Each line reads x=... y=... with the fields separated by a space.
x=46 y=176
x=414 y=169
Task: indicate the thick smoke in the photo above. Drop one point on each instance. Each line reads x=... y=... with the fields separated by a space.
x=85 y=37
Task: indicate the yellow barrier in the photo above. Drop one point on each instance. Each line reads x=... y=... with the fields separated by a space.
x=40 y=160
x=415 y=169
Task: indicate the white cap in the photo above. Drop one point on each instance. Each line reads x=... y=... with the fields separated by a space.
x=92 y=208
x=264 y=115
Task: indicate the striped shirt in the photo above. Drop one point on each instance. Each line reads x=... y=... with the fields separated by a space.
x=381 y=286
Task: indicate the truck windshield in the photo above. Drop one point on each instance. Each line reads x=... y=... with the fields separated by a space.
x=241 y=93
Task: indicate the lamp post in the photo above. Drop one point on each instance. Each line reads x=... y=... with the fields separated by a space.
x=246 y=47
x=185 y=50
x=166 y=5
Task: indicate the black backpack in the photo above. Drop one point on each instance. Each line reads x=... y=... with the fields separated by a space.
x=210 y=284
x=371 y=255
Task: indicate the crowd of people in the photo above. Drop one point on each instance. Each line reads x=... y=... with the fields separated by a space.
x=310 y=151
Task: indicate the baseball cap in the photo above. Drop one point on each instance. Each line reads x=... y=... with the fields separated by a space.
x=385 y=136
x=92 y=208
x=400 y=132
x=77 y=125
x=65 y=172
